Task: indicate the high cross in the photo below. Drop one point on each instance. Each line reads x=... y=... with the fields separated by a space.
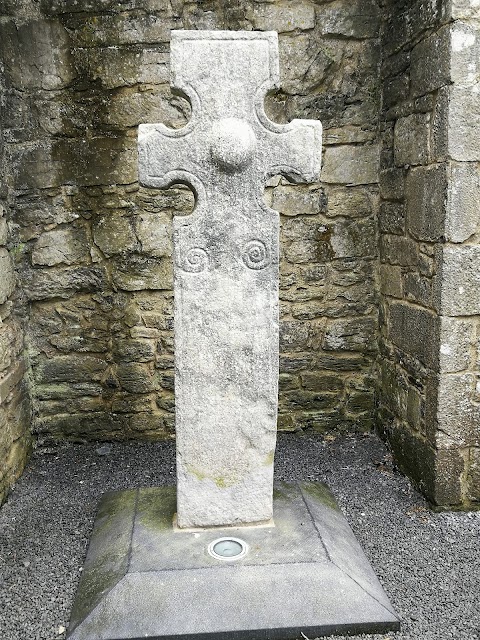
x=226 y=256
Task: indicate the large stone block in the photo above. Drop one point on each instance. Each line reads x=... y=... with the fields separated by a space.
x=464 y=124
x=347 y=164
x=357 y=19
x=456 y=339
x=426 y=194
x=457 y=414
x=350 y=335
x=283 y=16
x=37 y=55
x=411 y=139
x=430 y=68
x=415 y=331
x=463 y=202
x=459 y=282
x=465 y=53
x=61 y=246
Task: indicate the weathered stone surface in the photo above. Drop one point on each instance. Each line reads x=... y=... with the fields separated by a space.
x=7 y=279
x=431 y=63
x=415 y=331
x=456 y=338
x=426 y=194
x=226 y=270
x=460 y=280
x=464 y=124
x=347 y=164
x=463 y=201
x=60 y=246
x=284 y=15
x=411 y=142
x=358 y=19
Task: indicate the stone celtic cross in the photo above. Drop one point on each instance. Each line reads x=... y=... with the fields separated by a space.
x=226 y=268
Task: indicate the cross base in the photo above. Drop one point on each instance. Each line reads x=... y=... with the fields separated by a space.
x=305 y=575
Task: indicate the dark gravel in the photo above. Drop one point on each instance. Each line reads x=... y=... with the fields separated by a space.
x=429 y=563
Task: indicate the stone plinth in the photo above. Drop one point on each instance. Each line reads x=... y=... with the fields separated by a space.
x=307 y=574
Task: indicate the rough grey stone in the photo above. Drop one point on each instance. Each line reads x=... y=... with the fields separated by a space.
x=426 y=195
x=60 y=246
x=460 y=280
x=415 y=331
x=7 y=275
x=456 y=338
x=285 y=16
x=411 y=139
x=226 y=269
x=305 y=573
x=357 y=19
x=347 y=164
x=463 y=202
x=430 y=68
x=464 y=124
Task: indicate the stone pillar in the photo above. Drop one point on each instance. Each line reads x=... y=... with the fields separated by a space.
x=430 y=258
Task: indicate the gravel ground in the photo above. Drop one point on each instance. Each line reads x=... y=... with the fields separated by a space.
x=428 y=563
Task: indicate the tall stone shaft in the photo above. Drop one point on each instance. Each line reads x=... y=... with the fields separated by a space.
x=226 y=268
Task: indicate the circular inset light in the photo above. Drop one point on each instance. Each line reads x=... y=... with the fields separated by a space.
x=228 y=549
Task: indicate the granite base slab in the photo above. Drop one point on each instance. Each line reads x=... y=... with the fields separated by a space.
x=143 y=578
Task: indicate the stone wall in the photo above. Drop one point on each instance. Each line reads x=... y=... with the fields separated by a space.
x=15 y=409
x=93 y=249
x=430 y=189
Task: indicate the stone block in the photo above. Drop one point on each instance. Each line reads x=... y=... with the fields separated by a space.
x=399 y=250
x=348 y=202
x=460 y=280
x=464 y=124
x=354 y=238
x=463 y=202
x=135 y=378
x=456 y=339
x=391 y=280
x=7 y=275
x=396 y=90
x=129 y=108
x=465 y=53
x=135 y=273
x=457 y=415
x=283 y=16
x=411 y=139
x=114 y=234
x=430 y=63
x=358 y=19
x=43 y=284
x=74 y=368
x=154 y=233
x=350 y=335
x=112 y=30
x=346 y=164
x=426 y=194
x=37 y=55
x=116 y=67
x=134 y=350
x=320 y=381
x=292 y=200
x=303 y=66
x=391 y=218
x=392 y=184
x=61 y=246
x=415 y=331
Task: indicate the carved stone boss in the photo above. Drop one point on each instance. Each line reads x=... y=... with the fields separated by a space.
x=226 y=256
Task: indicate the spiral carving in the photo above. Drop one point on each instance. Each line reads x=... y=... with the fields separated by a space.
x=255 y=255
x=196 y=260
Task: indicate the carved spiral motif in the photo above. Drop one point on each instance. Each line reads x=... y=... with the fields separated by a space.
x=255 y=255
x=196 y=260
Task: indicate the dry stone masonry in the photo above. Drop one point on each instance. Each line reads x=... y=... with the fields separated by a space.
x=395 y=86
x=226 y=268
